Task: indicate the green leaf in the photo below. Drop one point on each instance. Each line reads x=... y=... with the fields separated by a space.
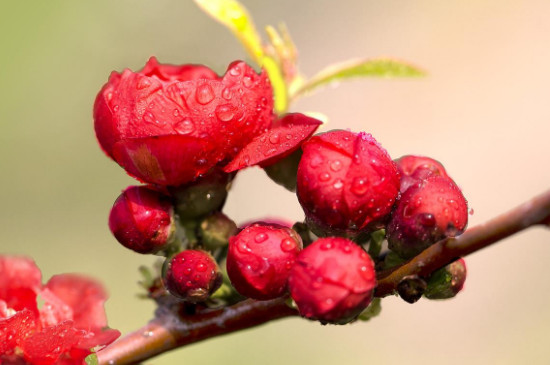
x=91 y=359
x=374 y=309
x=387 y=68
x=234 y=16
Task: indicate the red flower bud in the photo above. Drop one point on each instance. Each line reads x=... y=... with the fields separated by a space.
x=426 y=213
x=414 y=169
x=260 y=258
x=141 y=219
x=192 y=275
x=332 y=281
x=169 y=124
x=346 y=181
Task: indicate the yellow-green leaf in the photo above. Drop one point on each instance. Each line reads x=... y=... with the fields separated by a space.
x=234 y=16
x=359 y=68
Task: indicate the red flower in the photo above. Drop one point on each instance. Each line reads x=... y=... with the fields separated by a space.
x=332 y=281
x=346 y=181
x=259 y=259
x=70 y=323
x=168 y=125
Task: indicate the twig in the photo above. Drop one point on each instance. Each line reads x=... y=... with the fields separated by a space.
x=172 y=329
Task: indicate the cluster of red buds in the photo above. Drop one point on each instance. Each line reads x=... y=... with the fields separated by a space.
x=185 y=132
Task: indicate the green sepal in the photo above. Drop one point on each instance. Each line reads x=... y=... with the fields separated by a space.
x=373 y=310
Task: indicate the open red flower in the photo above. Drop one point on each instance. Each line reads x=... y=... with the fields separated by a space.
x=69 y=325
x=168 y=124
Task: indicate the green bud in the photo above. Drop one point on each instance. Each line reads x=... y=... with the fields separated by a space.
x=215 y=231
x=284 y=171
x=446 y=282
x=203 y=196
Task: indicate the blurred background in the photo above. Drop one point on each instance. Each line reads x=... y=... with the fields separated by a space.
x=483 y=111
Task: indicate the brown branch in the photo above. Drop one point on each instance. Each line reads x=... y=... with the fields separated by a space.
x=172 y=328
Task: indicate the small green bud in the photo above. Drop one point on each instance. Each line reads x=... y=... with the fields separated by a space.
x=284 y=171
x=215 y=230
x=446 y=282
x=203 y=196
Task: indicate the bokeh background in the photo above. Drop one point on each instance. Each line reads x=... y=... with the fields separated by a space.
x=484 y=111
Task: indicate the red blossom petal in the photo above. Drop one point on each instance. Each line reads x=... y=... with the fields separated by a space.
x=177 y=73
x=20 y=280
x=165 y=160
x=46 y=347
x=84 y=296
x=281 y=140
x=15 y=329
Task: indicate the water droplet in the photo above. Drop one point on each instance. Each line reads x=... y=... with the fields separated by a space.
x=326 y=246
x=149 y=117
x=184 y=126
x=274 y=138
x=235 y=71
x=347 y=249
x=147 y=333
x=242 y=247
x=204 y=94
x=325 y=176
x=288 y=244
x=260 y=237
x=227 y=94
x=201 y=162
x=247 y=81
x=316 y=161
x=336 y=165
x=187 y=271
x=471 y=211
x=225 y=112
x=109 y=96
x=338 y=184
x=359 y=186
x=201 y=267
x=426 y=219
x=143 y=83
x=176 y=113
x=115 y=108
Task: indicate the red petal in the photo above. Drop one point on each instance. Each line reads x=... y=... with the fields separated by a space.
x=165 y=160
x=20 y=280
x=45 y=348
x=285 y=137
x=84 y=296
x=177 y=73
x=14 y=329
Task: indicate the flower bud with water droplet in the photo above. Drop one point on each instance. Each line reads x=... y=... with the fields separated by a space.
x=426 y=213
x=192 y=275
x=214 y=231
x=167 y=125
x=260 y=258
x=142 y=219
x=346 y=182
x=446 y=282
x=203 y=196
x=411 y=288
x=414 y=169
x=332 y=281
